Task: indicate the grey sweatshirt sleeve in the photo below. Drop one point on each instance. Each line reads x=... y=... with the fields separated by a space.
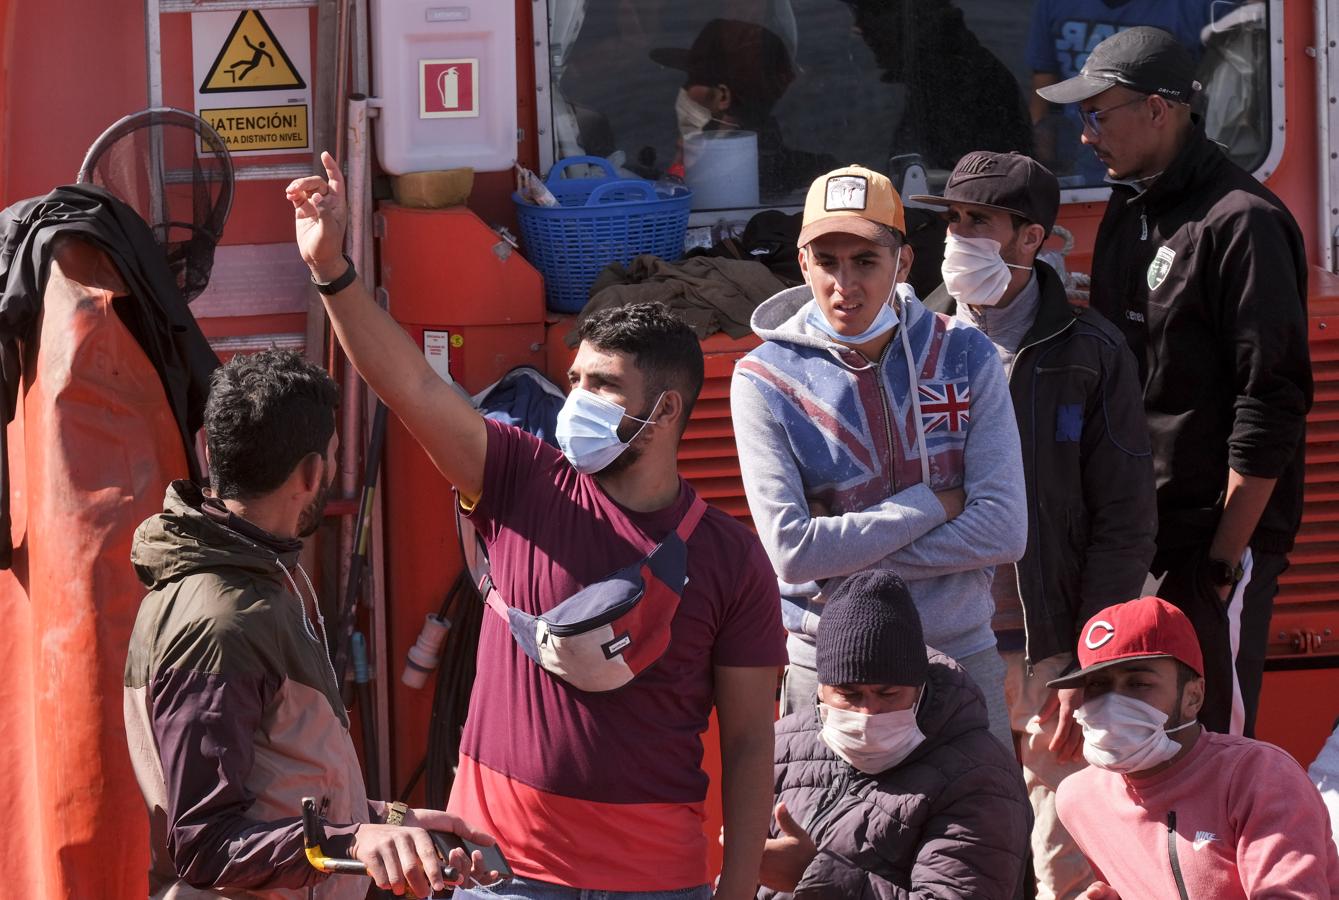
x=992 y=528
x=804 y=548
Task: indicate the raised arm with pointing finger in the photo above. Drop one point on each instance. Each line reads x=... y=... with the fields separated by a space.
x=438 y=417
x=558 y=772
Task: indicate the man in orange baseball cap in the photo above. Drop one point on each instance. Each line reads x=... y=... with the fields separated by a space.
x=852 y=421
x=1227 y=816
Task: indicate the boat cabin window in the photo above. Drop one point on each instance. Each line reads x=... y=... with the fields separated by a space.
x=749 y=100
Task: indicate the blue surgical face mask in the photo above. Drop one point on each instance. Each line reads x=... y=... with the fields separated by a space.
x=587 y=430
x=884 y=322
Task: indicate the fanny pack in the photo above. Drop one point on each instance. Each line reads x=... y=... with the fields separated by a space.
x=613 y=630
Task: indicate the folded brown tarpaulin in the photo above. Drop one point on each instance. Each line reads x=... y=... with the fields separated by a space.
x=710 y=294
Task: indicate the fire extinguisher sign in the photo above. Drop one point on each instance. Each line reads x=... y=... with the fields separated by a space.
x=448 y=88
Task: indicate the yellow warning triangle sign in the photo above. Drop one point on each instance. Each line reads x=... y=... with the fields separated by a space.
x=251 y=59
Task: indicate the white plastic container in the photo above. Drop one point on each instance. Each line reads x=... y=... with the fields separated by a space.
x=722 y=169
x=445 y=73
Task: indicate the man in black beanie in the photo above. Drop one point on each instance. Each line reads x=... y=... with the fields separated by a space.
x=892 y=783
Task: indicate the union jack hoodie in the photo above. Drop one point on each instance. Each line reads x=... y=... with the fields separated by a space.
x=818 y=423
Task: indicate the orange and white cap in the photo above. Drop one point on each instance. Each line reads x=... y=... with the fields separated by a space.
x=853 y=200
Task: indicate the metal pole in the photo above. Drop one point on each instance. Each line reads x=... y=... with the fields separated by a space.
x=381 y=642
x=1327 y=123
x=342 y=35
x=351 y=405
x=362 y=86
x=362 y=43
x=153 y=39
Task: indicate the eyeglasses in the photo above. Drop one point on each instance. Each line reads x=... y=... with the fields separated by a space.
x=1092 y=118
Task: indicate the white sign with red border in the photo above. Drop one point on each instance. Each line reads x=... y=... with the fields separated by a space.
x=437 y=349
x=448 y=88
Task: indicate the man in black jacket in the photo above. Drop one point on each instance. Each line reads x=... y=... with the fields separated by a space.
x=1086 y=464
x=890 y=786
x=1204 y=270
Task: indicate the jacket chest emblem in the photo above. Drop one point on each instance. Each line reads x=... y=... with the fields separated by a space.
x=945 y=407
x=1161 y=265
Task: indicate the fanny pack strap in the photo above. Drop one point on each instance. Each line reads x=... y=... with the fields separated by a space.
x=691 y=518
x=492 y=597
x=687 y=525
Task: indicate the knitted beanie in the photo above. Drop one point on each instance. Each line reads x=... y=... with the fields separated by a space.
x=870 y=633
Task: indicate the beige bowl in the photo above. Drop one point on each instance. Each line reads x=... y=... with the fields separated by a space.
x=433 y=190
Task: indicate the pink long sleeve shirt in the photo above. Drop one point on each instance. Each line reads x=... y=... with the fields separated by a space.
x=1237 y=817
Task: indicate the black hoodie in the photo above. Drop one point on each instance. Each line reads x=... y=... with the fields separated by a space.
x=1205 y=272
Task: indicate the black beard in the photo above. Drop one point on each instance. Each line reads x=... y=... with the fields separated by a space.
x=1180 y=719
x=629 y=457
x=310 y=520
x=623 y=461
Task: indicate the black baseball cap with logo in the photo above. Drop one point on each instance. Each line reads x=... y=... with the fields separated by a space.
x=1143 y=58
x=1010 y=182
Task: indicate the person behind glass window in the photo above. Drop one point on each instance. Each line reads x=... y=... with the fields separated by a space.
x=734 y=74
x=1062 y=34
x=959 y=96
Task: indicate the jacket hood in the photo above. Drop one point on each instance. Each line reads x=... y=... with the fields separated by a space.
x=952 y=704
x=784 y=317
x=182 y=539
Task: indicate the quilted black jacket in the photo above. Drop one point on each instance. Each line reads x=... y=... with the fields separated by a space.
x=952 y=820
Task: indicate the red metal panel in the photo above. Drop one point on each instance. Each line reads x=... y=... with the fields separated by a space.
x=446 y=265
x=444 y=270
x=1306 y=613
x=1298 y=710
x=707 y=456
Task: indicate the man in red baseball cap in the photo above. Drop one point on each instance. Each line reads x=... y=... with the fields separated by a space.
x=1166 y=808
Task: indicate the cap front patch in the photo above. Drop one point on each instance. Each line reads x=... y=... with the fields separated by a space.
x=1098 y=634
x=846 y=192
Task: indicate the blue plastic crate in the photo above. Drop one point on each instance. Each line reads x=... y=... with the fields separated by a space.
x=598 y=221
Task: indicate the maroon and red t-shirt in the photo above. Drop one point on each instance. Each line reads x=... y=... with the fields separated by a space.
x=602 y=791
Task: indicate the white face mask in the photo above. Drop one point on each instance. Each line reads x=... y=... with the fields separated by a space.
x=1122 y=734
x=884 y=322
x=587 y=430
x=973 y=271
x=693 y=116
x=871 y=742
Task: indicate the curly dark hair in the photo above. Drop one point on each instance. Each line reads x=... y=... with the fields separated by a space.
x=266 y=411
x=664 y=349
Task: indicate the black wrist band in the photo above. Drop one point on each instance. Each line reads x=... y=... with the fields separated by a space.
x=334 y=287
